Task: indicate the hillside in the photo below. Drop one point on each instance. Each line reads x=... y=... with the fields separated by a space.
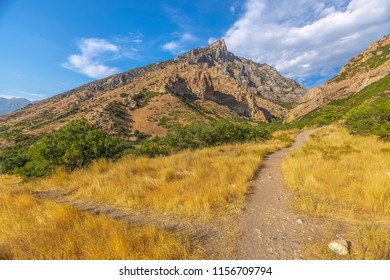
x=12 y=104
x=365 y=112
x=201 y=84
x=361 y=71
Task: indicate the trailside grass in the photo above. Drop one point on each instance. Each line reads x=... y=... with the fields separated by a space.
x=43 y=230
x=346 y=178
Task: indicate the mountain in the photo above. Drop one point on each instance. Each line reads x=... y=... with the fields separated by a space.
x=202 y=84
x=361 y=71
x=12 y=104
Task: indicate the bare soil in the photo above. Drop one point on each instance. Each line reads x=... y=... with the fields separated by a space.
x=269 y=228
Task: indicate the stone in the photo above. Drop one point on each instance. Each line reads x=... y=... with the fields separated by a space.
x=340 y=246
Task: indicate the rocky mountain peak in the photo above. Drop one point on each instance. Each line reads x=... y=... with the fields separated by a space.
x=218 y=46
x=215 y=53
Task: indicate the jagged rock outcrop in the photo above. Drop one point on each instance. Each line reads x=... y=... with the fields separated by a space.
x=364 y=69
x=242 y=85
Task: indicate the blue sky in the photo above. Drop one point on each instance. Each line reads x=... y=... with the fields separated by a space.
x=48 y=47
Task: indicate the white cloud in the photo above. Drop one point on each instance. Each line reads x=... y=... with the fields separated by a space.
x=8 y=96
x=171 y=46
x=25 y=94
x=94 y=52
x=306 y=38
x=129 y=38
x=32 y=95
x=179 y=46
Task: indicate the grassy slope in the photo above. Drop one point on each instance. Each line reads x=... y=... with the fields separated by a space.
x=336 y=109
x=346 y=178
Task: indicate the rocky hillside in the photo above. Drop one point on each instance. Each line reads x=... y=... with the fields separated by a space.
x=201 y=84
x=12 y=104
x=364 y=69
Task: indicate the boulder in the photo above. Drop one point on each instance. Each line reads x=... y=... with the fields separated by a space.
x=340 y=246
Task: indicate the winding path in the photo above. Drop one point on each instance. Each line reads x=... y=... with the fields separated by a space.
x=270 y=230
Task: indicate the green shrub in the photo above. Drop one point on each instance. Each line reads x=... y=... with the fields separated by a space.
x=200 y=135
x=370 y=119
x=329 y=114
x=116 y=109
x=73 y=146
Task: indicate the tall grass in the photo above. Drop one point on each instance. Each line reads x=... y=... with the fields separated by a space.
x=339 y=174
x=9 y=180
x=36 y=229
x=204 y=183
x=345 y=177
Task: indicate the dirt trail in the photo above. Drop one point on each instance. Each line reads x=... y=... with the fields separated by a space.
x=270 y=230
x=172 y=224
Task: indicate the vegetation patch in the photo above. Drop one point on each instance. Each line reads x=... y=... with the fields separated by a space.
x=370 y=118
x=35 y=229
x=199 y=135
x=116 y=109
x=345 y=177
x=73 y=146
x=144 y=97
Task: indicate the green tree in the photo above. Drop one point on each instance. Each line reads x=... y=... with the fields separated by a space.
x=370 y=119
x=73 y=146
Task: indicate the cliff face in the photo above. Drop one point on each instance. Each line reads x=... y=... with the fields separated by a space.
x=236 y=82
x=200 y=84
x=364 y=69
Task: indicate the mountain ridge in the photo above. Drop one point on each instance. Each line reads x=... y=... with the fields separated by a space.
x=8 y=105
x=201 y=84
x=359 y=72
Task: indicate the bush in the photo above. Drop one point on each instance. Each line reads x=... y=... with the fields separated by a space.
x=370 y=119
x=116 y=109
x=329 y=114
x=73 y=146
x=200 y=135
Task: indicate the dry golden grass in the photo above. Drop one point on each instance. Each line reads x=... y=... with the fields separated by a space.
x=369 y=242
x=345 y=177
x=36 y=229
x=338 y=174
x=201 y=184
x=9 y=180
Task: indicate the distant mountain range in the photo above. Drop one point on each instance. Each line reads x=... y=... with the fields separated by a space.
x=12 y=104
